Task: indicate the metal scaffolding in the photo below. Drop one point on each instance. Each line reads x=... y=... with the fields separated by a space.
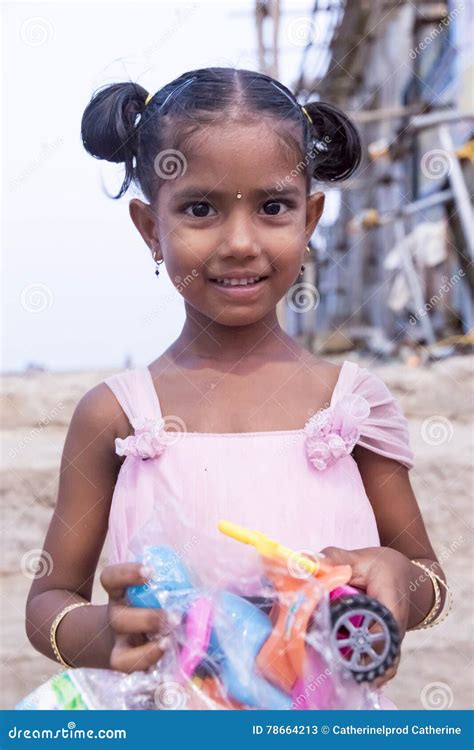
x=395 y=269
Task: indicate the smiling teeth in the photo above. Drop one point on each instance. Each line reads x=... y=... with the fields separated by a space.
x=238 y=282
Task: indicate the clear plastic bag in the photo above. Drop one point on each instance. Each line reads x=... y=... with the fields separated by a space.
x=302 y=639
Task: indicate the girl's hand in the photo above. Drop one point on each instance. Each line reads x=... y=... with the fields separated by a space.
x=384 y=574
x=132 y=650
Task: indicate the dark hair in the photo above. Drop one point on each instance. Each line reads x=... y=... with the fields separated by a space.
x=118 y=127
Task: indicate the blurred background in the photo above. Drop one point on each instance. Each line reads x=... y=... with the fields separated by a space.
x=388 y=282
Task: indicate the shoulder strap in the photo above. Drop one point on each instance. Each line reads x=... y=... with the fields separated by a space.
x=345 y=382
x=385 y=431
x=385 y=428
x=135 y=392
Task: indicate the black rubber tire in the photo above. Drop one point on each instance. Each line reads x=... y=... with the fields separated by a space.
x=344 y=605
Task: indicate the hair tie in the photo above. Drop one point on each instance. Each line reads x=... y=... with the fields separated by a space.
x=305 y=111
x=293 y=101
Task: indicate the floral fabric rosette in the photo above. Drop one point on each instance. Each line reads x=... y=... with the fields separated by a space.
x=149 y=441
x=333 y=432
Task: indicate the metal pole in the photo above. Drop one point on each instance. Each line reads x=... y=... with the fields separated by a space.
x=458 y=184
x=413 y=281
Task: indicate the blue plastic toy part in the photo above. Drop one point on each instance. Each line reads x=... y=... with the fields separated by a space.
x=242 y=629
x=170 y=577
x=239 y=630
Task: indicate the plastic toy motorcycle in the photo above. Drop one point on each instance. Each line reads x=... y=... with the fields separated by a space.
x=244 y=653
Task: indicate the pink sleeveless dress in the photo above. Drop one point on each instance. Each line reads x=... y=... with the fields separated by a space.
x=301 y=487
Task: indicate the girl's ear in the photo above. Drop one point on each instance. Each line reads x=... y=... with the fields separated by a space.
x=314 y=209
x=142 y=216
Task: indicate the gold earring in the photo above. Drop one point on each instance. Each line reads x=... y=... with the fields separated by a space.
x=239 y=195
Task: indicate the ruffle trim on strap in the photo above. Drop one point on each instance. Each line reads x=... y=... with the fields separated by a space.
x=149 y=441
x=362 y=411
x=135 y=392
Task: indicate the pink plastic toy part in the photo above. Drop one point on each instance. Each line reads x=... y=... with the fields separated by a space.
x=198 y=633
x=347 y=591
x=343 y=591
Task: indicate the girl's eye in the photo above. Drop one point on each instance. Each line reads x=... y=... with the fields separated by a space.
x=199 y=210
x=273 y=207
x=202 y=209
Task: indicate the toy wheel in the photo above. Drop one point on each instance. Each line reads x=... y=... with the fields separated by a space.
x=365 y=636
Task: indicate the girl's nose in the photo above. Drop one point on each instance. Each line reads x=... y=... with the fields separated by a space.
x=241 y=238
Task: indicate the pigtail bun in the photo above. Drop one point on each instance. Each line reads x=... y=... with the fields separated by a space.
x=108 y=127
x=108 y=122
x=337 y=146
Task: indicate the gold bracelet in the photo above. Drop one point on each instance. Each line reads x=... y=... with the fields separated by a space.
x=432 y=618
x=54 y=627
x=434 y=609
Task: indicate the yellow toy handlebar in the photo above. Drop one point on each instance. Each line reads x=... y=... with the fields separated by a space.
x=268 y=547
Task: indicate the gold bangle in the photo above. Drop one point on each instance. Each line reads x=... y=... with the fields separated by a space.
x=433 y=616
x=434 y=609
x=54 y=627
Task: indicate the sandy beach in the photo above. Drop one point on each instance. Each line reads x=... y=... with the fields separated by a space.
x=435 y=667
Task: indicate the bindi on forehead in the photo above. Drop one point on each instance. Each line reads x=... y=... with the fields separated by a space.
x=256 y=159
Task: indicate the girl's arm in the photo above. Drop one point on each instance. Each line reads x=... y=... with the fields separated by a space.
x=76 y=534
x=401 y=527
x=386 y=572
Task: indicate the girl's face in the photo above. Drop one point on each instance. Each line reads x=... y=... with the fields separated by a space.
x=205 y=233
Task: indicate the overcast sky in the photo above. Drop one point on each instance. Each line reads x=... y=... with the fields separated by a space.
x=79 y=286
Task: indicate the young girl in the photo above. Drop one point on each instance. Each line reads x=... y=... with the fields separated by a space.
x=235 y=419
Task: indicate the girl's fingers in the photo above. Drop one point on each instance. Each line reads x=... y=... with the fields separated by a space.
x=389 y=674
x=124 y=619
x=387 y=595
x=116 y=578
x=125 y=658
x=337 y=556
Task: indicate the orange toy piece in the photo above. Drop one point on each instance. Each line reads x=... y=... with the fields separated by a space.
x=281 y=658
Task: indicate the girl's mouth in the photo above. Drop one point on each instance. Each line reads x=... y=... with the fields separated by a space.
x=240 y=288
